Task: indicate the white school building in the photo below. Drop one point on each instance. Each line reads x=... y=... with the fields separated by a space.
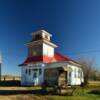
x=44 y=65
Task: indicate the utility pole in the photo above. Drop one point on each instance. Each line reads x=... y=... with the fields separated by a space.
x=0 y=71
x=0 y=64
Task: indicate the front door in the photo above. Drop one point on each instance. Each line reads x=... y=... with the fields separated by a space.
x=35 y=77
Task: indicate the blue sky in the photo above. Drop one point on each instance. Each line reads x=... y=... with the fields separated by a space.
x=74 y=24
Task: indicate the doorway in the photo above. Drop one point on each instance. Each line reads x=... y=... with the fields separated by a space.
x=35 y=77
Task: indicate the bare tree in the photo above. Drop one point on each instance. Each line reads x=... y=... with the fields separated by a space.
x=88 y=68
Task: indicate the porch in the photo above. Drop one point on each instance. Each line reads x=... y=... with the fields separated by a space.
x=57 y=76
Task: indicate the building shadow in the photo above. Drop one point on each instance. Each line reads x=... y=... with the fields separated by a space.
x=96 y=91
x=16 y=83
x=15 y=92
x=10 y=83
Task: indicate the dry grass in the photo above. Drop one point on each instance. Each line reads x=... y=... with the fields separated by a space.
x=94 y=83
x=27 y=93
x=10 y=78
x=23 y=97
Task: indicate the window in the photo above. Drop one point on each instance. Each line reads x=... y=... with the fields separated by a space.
x=79 y=73
x=29 y=71
x=69 y=77
x=26 y=71
x=34 y=53
x=35 y=75
x=69 y=74
x=35 y=69
x=40 y=71
x=38 y=36
x=46 y=37
x=75 y=73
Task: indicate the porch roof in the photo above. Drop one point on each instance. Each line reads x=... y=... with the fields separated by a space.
x=69 y=69
x=59 y=65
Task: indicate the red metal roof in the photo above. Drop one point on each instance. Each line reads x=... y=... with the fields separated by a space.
x=60 y=57
x=57 y=57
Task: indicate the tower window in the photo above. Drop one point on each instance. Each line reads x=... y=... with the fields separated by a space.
x=46 y=37
x=38 y=36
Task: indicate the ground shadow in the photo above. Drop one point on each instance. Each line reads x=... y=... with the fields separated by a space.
x=16 y=83
x=97 y=92
x=15 y=92
x=10 y=83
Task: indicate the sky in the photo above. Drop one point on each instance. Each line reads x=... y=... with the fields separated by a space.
x=74 y=24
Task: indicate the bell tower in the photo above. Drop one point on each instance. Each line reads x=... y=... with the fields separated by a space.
x=41 y=44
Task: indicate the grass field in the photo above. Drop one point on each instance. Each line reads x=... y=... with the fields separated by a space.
x=13 y=91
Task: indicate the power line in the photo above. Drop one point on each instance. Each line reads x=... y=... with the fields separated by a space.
x=84 y=52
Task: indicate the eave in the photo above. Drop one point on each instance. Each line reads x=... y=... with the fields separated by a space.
x=29 y=44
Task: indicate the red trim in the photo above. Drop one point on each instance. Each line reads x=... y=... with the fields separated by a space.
x=47 y=59
x=34 y=59
x=44 y=59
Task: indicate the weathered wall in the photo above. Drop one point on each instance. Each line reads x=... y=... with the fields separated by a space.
x=35 y=50
x=51 y=75
x=43 y=49
x=28 y=79
x=48 y=50
x=74 y=78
